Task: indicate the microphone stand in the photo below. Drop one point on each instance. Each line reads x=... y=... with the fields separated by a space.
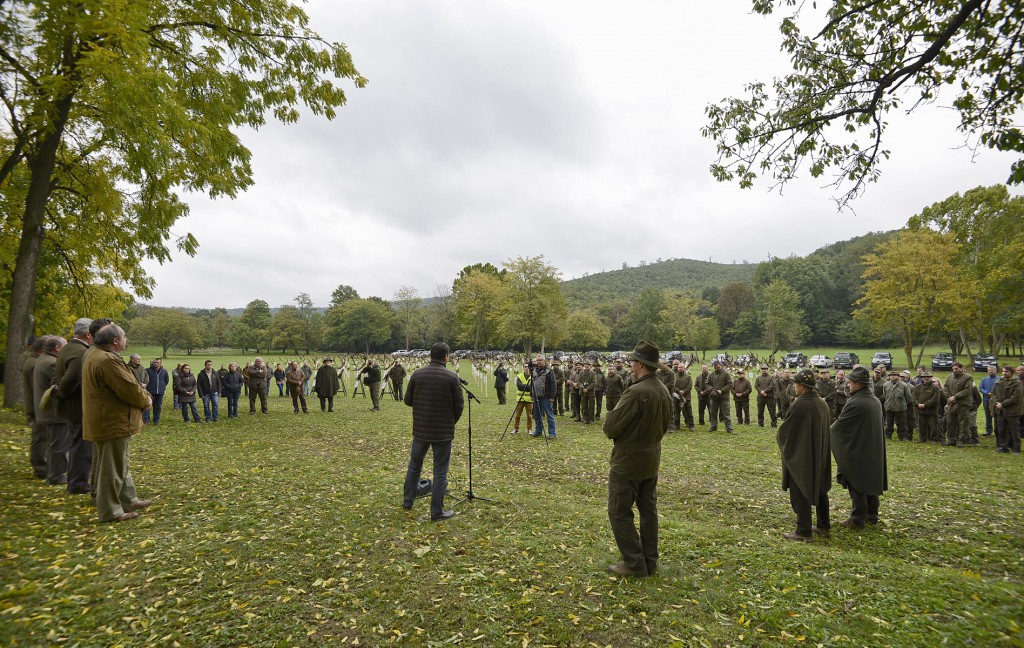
x=469 y=493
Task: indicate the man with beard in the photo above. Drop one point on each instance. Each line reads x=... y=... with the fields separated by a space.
x=327 y=384
x=1008 y=404
x=858 y=443
x=806 y=459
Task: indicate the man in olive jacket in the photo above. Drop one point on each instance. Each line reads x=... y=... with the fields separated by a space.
x=637 y=425
x=68 y=379
x=112 y=404
x=435 y=396
x=719 y=387
x=326 y=384
x=37 y=447
x=959 y=392
x=1007 y=402
x=926 y=400
x=806 y=459
x=54 y=427
x=858 y=444
x=765 y=386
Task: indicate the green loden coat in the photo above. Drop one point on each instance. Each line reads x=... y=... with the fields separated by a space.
x=326 y=381
x=636 y=426
x=858 y=443
x=803 y=440
x=112 y=399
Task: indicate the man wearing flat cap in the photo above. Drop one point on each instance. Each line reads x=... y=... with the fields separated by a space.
x=806 y=459
x=636 y=426
x=858 y=444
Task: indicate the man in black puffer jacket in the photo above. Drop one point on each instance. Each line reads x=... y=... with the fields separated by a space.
x=436 y=399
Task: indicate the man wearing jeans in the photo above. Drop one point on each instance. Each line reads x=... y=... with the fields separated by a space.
x=435 y=395
x=208 y=384
x=544 y=386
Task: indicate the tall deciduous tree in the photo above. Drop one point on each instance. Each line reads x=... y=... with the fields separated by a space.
x=778 y=311
x=866 y=61
x=288 y=330
x=688 y=325
x=645 y=320
x=166 y=327
x=987 y=224
x=910 y=283
x=342 y=294
x=585 y=330
x=360 y=322
x=478 y=303
x=111 y=108
x=441 y=319
x=408 y=312
x=533 y=303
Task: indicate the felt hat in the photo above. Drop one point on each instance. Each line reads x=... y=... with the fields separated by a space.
x=805 y=377
x=859 y=375
x=646 y=353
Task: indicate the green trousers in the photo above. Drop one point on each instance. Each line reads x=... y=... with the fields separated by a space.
x=115 y=489
x=639 y=551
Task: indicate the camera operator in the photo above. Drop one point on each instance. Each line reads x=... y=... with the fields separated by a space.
x=544 y=385
x=370 y=374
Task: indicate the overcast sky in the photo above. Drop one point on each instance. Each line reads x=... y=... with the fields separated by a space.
x=492 y=130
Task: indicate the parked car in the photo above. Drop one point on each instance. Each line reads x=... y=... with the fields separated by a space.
x=821 y=361
x=943 y=362
x=983 y=361
x=845 y=360
x=882 y=358
x=794 y=360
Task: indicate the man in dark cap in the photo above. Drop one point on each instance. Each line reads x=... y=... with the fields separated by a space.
x=636 y=426
x=858 y=443
x=806 y=460
x=926 y=401
x=326 y=384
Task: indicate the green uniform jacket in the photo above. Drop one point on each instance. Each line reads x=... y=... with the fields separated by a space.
x=587 y=381
x=765 y=384
x=68 y=379
x=636 y=425
x=897 y=396
x=614 y=385
x=42 y=379
x=858 y=443
x=684 y=384
x=1009 y=393
x=28 y=366
x=804 y=444
x=112 y=399
x=741 y=389
x=719 y=381
x=962 y=388
x=326 y=381
x=927 y=395
x=827 y=391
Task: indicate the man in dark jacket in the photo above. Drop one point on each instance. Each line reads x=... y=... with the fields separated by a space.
x=703 y=389
x=806 y=460
x=396 y=374
x=56 y=428
x=544 y=386
x=326 y=384
x=157 y=386
x=858 y=443
x=765 y=386
x=68 y=379
x=37 y=447
x=719 y=384
x=636 y=426
x=256 y=379
x=208 y=382
x=231 y=382
x=435 y=396
x=500 y=382
x=1007 y=402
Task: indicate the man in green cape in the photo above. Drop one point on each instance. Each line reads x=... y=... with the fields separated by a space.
x=858 y=444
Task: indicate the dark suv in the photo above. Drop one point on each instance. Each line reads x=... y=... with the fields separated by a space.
x=943 y=362
x=983 y=361
x=882 y=358
x=794 y=360
x=844 y=360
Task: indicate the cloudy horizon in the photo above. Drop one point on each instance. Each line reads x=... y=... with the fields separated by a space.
x=496 y=130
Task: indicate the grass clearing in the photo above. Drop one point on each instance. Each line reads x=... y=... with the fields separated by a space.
x=285 y=529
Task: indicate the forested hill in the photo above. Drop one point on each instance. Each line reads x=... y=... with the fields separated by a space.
x=684 y=275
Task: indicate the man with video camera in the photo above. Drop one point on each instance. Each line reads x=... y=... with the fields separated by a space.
x=370 y=375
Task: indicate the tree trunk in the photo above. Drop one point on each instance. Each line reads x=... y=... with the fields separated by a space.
x=26 y=268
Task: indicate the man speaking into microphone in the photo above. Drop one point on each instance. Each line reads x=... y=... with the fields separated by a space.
x=436 y=399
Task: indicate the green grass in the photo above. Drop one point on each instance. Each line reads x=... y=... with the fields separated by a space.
x=286 y=530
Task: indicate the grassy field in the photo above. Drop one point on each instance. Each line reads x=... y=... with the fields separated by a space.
x=284 y=530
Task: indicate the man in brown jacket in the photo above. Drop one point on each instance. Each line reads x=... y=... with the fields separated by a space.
x=112 y=404
x=637 y=425
x=959 y=392
x=37 y=447
x=295 y=377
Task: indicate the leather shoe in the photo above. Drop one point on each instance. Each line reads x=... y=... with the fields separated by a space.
x=621 y=570
x=850 y=523
x=824 y=533
x=407 y=507
x=444 y=516
x=793 y=535
x=139 y=504
x=128 y=515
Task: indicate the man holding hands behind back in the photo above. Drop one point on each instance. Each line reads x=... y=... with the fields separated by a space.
x=636 y=426
x=435 y=396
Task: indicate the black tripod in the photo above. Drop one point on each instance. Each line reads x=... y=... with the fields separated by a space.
x=469 y=494
x=529 y=387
